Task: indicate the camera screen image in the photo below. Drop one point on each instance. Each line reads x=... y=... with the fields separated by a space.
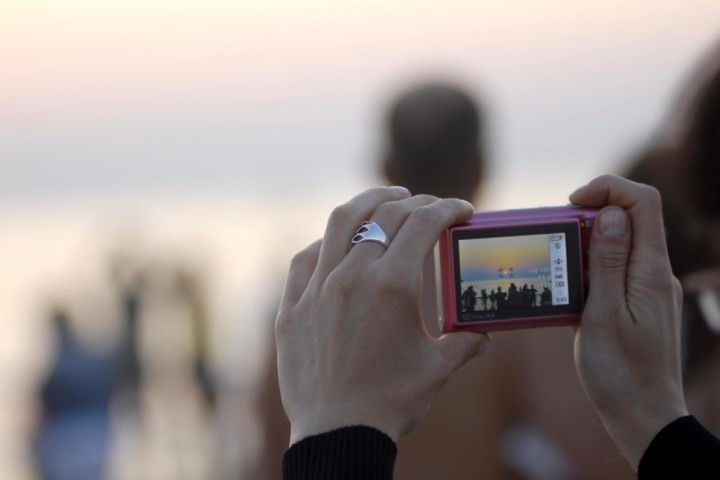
x=517 y=272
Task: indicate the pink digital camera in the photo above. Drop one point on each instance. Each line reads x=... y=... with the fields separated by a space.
x=514 y=269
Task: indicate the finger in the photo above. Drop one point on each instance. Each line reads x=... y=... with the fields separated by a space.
x=608 y=261
x=679 y=295
x=389 y=216
x=458 y=348
x=421 y=230
x=642 y=202
x=345 y=220
x=302 y=267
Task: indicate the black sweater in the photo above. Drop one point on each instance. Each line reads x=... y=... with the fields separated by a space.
x=683 y=449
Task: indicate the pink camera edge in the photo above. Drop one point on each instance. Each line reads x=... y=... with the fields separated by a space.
x=583 y=217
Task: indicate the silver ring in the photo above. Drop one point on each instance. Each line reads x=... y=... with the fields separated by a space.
x=370 y=232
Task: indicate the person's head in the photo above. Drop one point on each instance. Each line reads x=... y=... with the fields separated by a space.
x=685 y=168
x=435 y=140
x=697 y=157
x=699 y=145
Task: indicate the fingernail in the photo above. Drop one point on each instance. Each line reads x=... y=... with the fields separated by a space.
x=401 y=190
x=484 y=345
x=578 y=191
x=613 y=222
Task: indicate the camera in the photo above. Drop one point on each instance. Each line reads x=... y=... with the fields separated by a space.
x=514 y=269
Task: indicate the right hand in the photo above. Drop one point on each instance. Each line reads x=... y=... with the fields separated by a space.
x=351 y=342
x=627 y=347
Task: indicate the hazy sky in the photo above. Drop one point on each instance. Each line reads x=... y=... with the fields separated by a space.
x=481 y=259
x=104 y=99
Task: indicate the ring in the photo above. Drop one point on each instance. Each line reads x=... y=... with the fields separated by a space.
x=370 y=232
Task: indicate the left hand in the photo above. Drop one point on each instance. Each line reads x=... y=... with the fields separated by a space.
x=352 y=348
x=627 y=347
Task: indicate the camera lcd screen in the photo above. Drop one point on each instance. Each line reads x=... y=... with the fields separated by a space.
x=514 y=272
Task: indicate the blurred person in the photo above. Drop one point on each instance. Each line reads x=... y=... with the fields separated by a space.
x=436 y=141
x=77 y=396
x=435 y=145
x=685 y=167
x=101 y=412
x=73 y=436
x=129 y=284
x=352 y=389
x=189 y=289
x=179 y=391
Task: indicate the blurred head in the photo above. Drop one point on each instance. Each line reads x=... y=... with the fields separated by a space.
x=685 y=167
x=699 y=145
x=686 y=170
x=435 y=141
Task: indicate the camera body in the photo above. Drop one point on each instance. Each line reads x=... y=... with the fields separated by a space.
x=514 y=269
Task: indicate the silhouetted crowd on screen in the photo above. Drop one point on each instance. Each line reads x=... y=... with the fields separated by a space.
x=497 y=299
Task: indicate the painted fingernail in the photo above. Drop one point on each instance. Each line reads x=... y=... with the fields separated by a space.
x=613 y=222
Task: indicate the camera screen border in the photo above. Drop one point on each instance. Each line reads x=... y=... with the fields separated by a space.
x=571 y=229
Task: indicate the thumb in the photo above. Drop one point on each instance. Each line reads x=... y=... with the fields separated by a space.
x=608 y=258
x=458 y=348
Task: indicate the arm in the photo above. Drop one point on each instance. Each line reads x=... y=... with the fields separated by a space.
x=352 y=348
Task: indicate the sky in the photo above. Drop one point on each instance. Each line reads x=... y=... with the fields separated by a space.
x=482 y=259
x=223 y=132
x=107 y=100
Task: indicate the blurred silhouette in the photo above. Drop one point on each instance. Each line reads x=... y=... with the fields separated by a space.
x=188 y=288
x=684 y=165
x=128 y=285
x=436 y=145
x=89 y=398
x=698 y=158
x=73 y=436
x=435 y=141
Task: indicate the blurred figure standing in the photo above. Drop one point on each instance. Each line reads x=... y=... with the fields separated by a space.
x=73 y=437
x=146 y=406
x=435 y=145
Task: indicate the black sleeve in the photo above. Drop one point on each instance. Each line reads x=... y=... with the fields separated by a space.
x=683 y=449
x=349 y=453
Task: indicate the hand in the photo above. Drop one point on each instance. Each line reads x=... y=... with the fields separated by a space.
x=352 y=348
x=627 y=347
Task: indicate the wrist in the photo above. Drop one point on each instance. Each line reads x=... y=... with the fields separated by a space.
x=633 y=430
x=333 y=418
